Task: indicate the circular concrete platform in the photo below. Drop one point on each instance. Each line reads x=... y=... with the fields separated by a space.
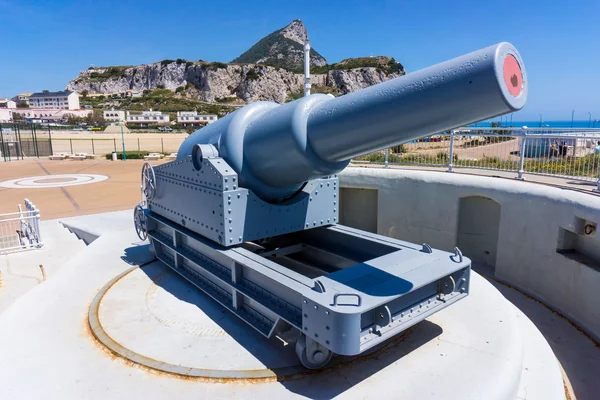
x=153 y=317
x=197 y=338
x=151 y=320
x=52 y=181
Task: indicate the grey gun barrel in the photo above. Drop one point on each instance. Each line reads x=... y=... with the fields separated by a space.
x=276 y=148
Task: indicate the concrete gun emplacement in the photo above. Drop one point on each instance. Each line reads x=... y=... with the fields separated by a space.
x=249 y=210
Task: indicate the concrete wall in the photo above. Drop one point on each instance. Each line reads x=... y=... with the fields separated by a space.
x=425 y=207
x=478 y=228
x=360 y=208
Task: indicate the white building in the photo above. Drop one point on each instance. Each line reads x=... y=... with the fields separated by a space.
x=50 y=114
x=60 y=100
x=192 y=118
x=148 y=117
x=6 y=115
x=114 y=115
x=22 y=98
x=6 y=103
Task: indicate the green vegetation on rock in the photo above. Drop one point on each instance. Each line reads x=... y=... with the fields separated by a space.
x=109 y=73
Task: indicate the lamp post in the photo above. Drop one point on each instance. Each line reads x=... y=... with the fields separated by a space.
x=589 y=120
x=572 y=117
x=123 y=141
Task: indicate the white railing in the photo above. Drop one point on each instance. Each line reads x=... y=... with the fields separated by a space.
x=20 y=230
x=564 y=153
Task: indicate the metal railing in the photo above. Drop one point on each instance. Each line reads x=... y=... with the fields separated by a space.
x=20 y=230
x=564 y=153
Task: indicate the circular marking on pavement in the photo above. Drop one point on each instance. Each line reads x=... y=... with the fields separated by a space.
x=134 y=341
x=52 y=181
x=55 y=180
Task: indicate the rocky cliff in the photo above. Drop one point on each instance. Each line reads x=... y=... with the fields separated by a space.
x=210 y=82
x=282 y=48
x=245 y=82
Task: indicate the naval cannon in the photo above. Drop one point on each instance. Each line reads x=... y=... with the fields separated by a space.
x=248 y=211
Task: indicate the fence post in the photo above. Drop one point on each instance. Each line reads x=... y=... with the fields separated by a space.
x=387 y=156
x=35 y=143
x=451 y=153
x=2 y=144
x=138 y=144
x=115 y=143
x=522 y=154
x=93 y=149
x=71 y=143
x=50 y=139
x=162 y=145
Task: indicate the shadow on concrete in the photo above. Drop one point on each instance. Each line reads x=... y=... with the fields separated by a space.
x=138 y=254
x=583 y=183
x=578 y=355
x=343 y=372
x=334 y=381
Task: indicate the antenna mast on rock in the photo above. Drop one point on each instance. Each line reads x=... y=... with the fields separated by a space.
x=307 y=68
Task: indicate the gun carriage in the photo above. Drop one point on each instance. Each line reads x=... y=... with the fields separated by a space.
x=249 y=211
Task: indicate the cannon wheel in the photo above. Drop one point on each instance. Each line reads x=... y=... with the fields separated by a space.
x=139 y=220
x=312 y=354
x=148 y=181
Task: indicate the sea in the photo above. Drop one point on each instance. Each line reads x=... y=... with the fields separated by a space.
x=536 y=124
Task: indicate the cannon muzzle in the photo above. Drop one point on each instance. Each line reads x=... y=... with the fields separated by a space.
x=276 y=148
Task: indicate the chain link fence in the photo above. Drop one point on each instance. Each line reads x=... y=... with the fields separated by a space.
x=101 y=147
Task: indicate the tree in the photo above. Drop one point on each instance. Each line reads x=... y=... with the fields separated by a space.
x=95 y=117
x=45 y=91
x=84 y=93
x=17 y=116
x=73 y=120
x=22 y=104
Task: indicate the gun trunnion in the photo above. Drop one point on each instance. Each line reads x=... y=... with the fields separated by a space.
x=249 y=210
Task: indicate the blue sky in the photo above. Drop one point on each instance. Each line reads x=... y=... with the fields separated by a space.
x=46 y=43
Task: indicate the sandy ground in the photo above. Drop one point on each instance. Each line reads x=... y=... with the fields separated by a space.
x=119 y=192
x=103 y=143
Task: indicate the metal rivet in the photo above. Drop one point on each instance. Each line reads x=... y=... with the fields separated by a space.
x=304 y=301
x=327 y=312
x=316 y=308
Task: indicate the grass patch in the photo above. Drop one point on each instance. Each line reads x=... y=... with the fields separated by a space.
x=131 y=155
